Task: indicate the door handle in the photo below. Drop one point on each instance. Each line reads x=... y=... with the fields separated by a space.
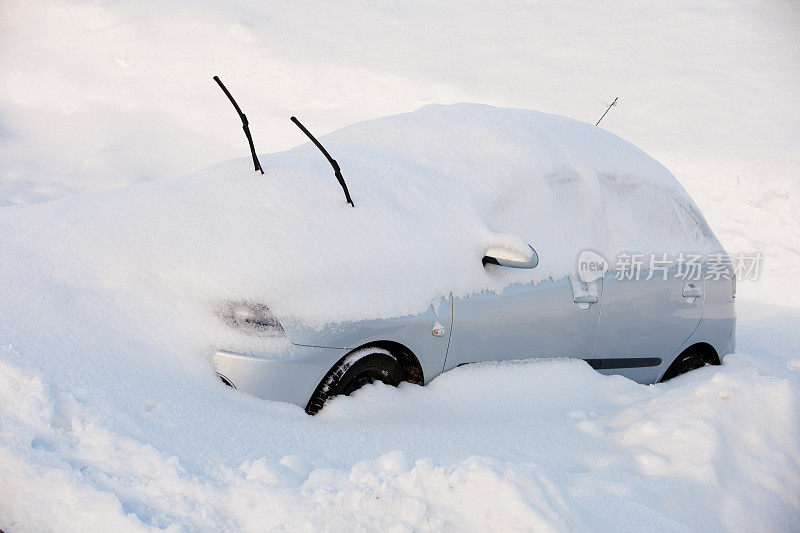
x=690 y=290
x=585 y=299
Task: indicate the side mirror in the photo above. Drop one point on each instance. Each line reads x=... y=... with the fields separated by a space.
x=511 y=258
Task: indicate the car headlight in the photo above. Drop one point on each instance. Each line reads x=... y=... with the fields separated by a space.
x=252 y=318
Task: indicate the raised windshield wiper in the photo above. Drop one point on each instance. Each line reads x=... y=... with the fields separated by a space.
x=336 y=170
x=245 y=125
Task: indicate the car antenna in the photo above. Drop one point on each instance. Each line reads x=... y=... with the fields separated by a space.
x=245 y=124
x=612 y=104
x=336 y=170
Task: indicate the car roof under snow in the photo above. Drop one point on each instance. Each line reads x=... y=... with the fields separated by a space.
x=433 y=190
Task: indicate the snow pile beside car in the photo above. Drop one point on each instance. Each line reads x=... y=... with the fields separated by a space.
x=549 y=446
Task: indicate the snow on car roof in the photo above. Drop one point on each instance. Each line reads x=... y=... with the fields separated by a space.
x=433 y=190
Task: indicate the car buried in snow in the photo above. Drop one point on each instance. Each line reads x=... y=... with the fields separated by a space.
x=649 y=323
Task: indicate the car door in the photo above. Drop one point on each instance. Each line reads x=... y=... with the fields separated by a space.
x=548 y=319
x=644 y=321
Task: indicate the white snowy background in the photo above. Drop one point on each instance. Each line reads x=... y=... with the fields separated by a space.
x=104 y=427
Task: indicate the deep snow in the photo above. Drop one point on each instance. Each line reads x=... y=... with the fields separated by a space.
x=546 y=445
x=111 y=418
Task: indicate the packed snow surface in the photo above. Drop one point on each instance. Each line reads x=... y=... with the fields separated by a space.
x=111 y=416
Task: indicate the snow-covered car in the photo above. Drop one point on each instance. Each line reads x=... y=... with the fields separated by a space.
x=491 y=234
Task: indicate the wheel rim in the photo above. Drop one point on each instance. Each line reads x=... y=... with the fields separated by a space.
x=689 y=363
x=350 y=375
x=365 y=377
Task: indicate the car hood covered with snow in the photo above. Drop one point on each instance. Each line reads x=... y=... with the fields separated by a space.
x=433 y=189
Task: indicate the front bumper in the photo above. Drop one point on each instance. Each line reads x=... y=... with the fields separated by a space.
x=290 y=375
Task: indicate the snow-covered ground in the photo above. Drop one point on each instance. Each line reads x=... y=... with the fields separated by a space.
x=541 y=445
x=112 y=419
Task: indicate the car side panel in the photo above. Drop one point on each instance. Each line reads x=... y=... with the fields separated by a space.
x=542 y=320
x=523 y=321
x=415 y=332
x=476 y=330
x=718 y=325
x=644 y=319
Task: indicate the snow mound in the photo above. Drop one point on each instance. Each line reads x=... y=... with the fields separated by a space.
x=546 y=445
x=433 y=190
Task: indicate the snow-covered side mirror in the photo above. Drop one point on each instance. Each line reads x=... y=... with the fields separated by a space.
x=511 y=258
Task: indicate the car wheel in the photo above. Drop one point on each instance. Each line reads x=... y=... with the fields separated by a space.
x=355 y=370
x=687 y=361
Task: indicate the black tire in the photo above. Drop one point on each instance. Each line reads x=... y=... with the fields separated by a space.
x=690 y=359
x=355 y=370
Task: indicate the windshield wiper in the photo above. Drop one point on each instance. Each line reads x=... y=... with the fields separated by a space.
x=336 y=170
x=245 y=125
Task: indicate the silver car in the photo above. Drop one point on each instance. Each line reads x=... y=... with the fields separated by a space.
x=649 y=328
